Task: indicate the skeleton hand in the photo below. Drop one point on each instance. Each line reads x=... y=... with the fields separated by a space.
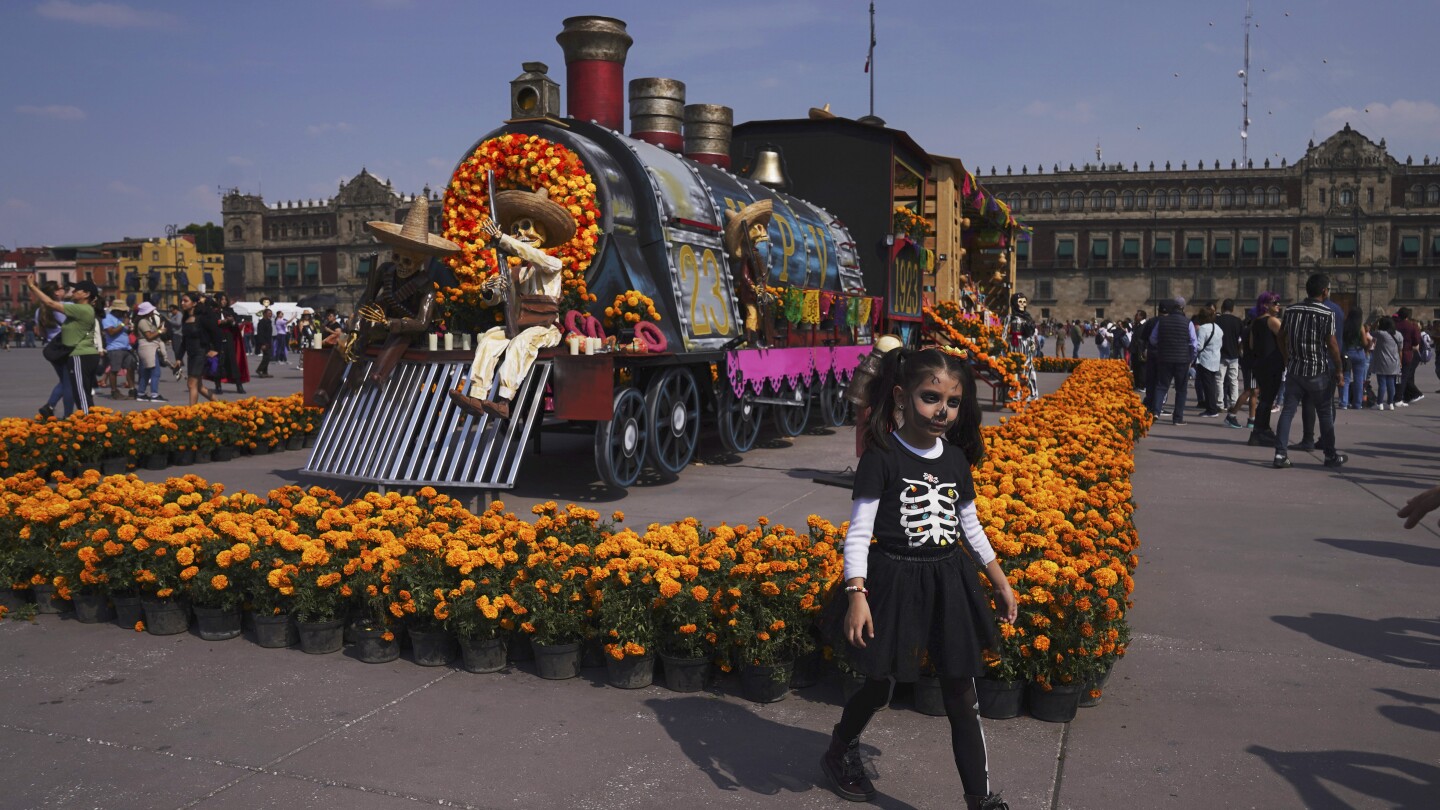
x=373 y=314
x=489 y=227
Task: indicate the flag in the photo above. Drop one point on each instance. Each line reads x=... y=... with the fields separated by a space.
x=867 y=64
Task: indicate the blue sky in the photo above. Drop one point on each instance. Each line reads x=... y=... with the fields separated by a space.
x=121 y=117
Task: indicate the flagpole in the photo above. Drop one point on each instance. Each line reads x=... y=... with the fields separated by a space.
x=870 y=60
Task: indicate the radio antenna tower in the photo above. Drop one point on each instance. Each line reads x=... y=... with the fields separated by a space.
x=1245 y=98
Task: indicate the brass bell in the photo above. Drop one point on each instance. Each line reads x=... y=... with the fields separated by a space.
x=768 y=169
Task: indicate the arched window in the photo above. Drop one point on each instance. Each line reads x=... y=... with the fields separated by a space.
x=1192 y=198
x=1127 y=199
x=237 y=234
x=1045 y=201
x=1347 y=197
x=1207 y=198
x=1174 y=198
x=1142 y=199
x=1432 y=195
x=1160 y=200
x=1257 y=197
x=1109 y=201
x=1077 y=201
x=1094 y=201
x=1273 y=197
x=1064 y=201
x=1227 y=199
x=1030 y=200
x=1416 y=195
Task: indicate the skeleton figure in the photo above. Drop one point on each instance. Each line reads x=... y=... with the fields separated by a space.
x=396 y=306
x=532 y=293
x=747 y=238
x=927 y=512
x=1022 y=339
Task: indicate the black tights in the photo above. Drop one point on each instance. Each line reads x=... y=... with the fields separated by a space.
x=967 y=741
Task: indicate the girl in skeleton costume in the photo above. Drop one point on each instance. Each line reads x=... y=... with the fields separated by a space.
x=915 y=591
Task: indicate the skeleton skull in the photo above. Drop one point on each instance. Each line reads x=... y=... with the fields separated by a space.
x=407 y=262
x=759 y=233
x=528 y=231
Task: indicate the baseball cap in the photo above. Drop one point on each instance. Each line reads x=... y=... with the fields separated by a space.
x=87 y=286
x=1178 y=302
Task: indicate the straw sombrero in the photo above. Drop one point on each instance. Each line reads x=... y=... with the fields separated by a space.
x=414 y=234
x=736 y=224
x=515 y=204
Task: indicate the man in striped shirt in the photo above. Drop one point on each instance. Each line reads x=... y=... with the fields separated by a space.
x=1312 y=369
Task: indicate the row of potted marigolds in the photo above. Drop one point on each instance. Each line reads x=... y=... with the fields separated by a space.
x=1054 y=493
x=114 y=441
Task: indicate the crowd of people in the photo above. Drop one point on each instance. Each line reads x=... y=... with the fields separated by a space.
x=95 y=344
x=1311 y=358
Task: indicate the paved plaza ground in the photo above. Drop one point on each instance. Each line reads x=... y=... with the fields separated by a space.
x=1286 y=655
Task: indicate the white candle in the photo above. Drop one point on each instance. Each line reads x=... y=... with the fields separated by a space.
x=465 y=341
x=449 y=341
x=434 y=341
x=317 y=342
x=591 y=344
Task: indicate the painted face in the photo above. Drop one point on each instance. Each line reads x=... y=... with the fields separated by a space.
x=931 y=409
x=759 y=233
x=528 y=231
x=1021 y=303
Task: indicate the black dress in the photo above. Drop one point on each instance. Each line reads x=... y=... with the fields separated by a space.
x=195 y=345
x=925 y=595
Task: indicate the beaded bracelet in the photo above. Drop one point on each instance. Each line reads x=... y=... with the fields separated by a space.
x=856 y=589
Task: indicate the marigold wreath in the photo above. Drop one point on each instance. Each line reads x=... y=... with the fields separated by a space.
x=519 y=162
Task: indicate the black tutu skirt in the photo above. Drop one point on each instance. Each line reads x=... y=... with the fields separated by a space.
x=919 y=605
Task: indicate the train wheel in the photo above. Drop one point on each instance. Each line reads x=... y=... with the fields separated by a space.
x=739 y=419
x=834 y=407
x=790 y=420
x=620 y=442
x=672 y=411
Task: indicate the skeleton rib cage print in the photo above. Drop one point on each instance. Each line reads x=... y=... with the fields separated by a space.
x=927 y=511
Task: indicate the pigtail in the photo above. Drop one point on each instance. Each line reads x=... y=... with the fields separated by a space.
x=881 y=418
x=965 y=433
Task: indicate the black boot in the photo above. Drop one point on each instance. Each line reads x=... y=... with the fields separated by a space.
x=846 y=771
x=239 y=389
x=990 y=802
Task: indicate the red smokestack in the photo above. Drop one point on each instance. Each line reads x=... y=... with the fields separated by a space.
x=595 y=49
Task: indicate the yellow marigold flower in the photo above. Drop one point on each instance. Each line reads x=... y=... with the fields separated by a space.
x=139 y=627
x=187 y=574
x=219 y=582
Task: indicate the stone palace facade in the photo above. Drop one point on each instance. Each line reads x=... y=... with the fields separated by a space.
x=1110 y=240
x=311 y=249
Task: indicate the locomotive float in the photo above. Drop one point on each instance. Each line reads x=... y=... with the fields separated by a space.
x=746 y=299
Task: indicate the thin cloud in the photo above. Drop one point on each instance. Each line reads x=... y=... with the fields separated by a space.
x=236 y=160
x=58 y=112
x=105 y=15
x=17 y=204
x=203 y=196
x=121 y=187
x=316 y=130
x=728 y=27
x=1399 y=119
x=1081 y=112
